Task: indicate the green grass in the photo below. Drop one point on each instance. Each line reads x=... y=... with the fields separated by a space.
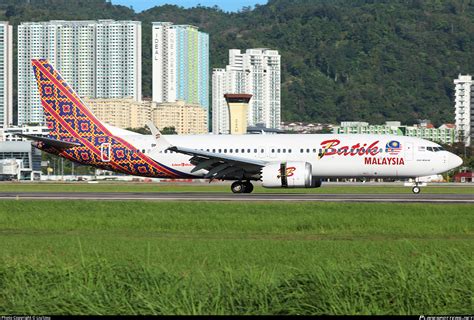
x=158 y=187
x=131 y=257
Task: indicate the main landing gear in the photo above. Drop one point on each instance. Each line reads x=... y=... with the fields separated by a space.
x=241 y=187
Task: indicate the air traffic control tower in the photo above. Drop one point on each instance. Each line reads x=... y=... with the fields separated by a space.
x=238 y=109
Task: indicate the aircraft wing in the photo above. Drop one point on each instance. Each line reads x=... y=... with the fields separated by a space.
x=220 y=165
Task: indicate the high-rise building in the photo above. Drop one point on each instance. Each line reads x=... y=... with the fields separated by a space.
x=99 y=59
x=220 y=112
x=180 y=64
x=121 y=113
x=256 y=72
x=6 y=66
x=464 y=109
x=184 y=117
x=126 y=113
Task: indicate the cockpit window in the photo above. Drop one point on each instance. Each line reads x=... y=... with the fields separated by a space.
x=435 y=149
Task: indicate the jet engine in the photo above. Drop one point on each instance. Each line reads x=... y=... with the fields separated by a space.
x=292 y=174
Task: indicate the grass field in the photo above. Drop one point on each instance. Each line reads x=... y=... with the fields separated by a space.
x=90 y=257
x=204 y=187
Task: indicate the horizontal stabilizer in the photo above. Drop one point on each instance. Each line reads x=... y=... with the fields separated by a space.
x=51 y=142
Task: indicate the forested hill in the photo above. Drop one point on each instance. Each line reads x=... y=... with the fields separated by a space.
x=341 y=59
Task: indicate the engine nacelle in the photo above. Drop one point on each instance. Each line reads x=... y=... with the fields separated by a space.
x=295 y=175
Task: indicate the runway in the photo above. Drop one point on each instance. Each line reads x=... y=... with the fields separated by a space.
x=281 y=197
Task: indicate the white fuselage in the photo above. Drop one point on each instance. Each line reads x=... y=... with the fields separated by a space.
x=330 y=155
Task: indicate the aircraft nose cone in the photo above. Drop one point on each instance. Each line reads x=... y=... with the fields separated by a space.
x=455 y=161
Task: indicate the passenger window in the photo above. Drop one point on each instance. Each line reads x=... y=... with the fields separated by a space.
x=213 y=150
x=225 y=150
x=314 y=150
x=273 y=150
x=278 y=150
x=230 y=150
x=429 y=149
x=301 y=150
x=307 y=150
x=255 y=150
x=220 y=150
x=284 y=150
x=242 y=150
x=289 y=150
x=262 y=150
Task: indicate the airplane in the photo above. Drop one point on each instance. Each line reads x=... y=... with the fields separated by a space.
x=277 y=160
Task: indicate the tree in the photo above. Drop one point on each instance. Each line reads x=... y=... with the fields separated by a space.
x=141 y=130
x=168 y=130
x=342 y=59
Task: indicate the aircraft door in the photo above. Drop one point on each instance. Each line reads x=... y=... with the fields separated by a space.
x=409 y=151
x=105 y=152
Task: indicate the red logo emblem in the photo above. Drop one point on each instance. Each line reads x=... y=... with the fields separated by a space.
x=290 y=171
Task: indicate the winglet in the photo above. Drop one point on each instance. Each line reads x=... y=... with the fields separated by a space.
x=161 y=142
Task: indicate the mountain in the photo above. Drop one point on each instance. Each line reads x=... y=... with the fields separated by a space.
x=367 y=60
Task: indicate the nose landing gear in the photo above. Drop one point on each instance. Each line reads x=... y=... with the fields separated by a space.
x=416 y=185
x=416 y=189
x=241 y=187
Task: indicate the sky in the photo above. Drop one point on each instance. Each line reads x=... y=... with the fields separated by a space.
x=226 y=5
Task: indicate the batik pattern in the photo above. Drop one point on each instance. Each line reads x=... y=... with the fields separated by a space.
x=70 y=120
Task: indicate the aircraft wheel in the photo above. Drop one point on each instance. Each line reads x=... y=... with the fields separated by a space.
x=416 y=189
x=248 y=187
x=237 y=187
